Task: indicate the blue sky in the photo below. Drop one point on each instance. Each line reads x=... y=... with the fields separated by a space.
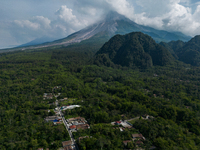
x=22 y=21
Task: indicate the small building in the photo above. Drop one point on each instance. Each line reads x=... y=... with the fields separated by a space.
x=69 y=147
x=82 y=126
x=52 y=118
x=73 y=127
x=80 y=138
x=121 y=129
x=118 y=122
x=56 y=120
x=48 y=96
x=152 y=147
x=126 y=142
x=75 y=123
x=57 y=123
x=66 y=143
x=138 y=136
x=139 y=143
x=77 y=119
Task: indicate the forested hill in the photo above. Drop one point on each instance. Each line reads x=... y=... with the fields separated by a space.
x=168 y=93
x=187 y=52
x=133 y=50
x=190 y=52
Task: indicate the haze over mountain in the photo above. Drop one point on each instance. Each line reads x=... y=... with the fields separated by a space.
x=113 y=24
x=38 y=41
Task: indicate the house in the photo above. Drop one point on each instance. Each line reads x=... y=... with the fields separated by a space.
x=69 y=147
x=82 y=126
x=118 y=122
x=58 y=95
x=57 y=123
x=73 y=127
x=48 y=96
x=126 y=142
x=121 y=129
x=139 y=143
x=80 y=120
x=52 y=118
x=75 y=122
x=152 y=147
x=56 y=120
x=77 y=119
x=72 y=106
x=80 y=138
x=42 y=149
x=66 y=143
x=138 y=136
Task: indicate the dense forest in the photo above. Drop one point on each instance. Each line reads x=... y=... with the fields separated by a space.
x=169 y=93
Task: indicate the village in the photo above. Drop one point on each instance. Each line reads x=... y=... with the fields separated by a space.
x=80 y=123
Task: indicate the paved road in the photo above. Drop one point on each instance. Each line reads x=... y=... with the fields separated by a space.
x=69 y=131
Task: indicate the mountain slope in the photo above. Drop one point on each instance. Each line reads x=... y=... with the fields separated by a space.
x=190 y=52
x=102 y=31
x=38 y=41
x=133 y=50
x=173 y=47
x=115 y=23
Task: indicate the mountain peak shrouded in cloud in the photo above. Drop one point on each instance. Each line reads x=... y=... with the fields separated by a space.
x=113 y=16
x=114 y=23
x=61 y=18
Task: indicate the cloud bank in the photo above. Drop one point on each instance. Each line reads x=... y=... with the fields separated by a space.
x=73 y=15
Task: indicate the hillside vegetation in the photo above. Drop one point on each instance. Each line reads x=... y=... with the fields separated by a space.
x=133 y=50
x=187 y=52
x=168 y=93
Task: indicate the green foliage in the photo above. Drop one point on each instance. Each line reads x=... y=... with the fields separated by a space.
x=169 y=93
x=188 y=52
x=133 y=50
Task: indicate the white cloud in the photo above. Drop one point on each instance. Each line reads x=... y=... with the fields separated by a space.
x=122 y=7
x=65 y=23
x=66 y=15
x=44 y=22
x=169 y=15
x=27 y=24
x=72 y=15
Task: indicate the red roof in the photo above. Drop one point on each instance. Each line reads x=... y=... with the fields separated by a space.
x=118 y=121
x=139 y=142
x=72 y=127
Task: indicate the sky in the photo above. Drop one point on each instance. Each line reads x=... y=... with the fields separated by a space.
x=22 y=21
